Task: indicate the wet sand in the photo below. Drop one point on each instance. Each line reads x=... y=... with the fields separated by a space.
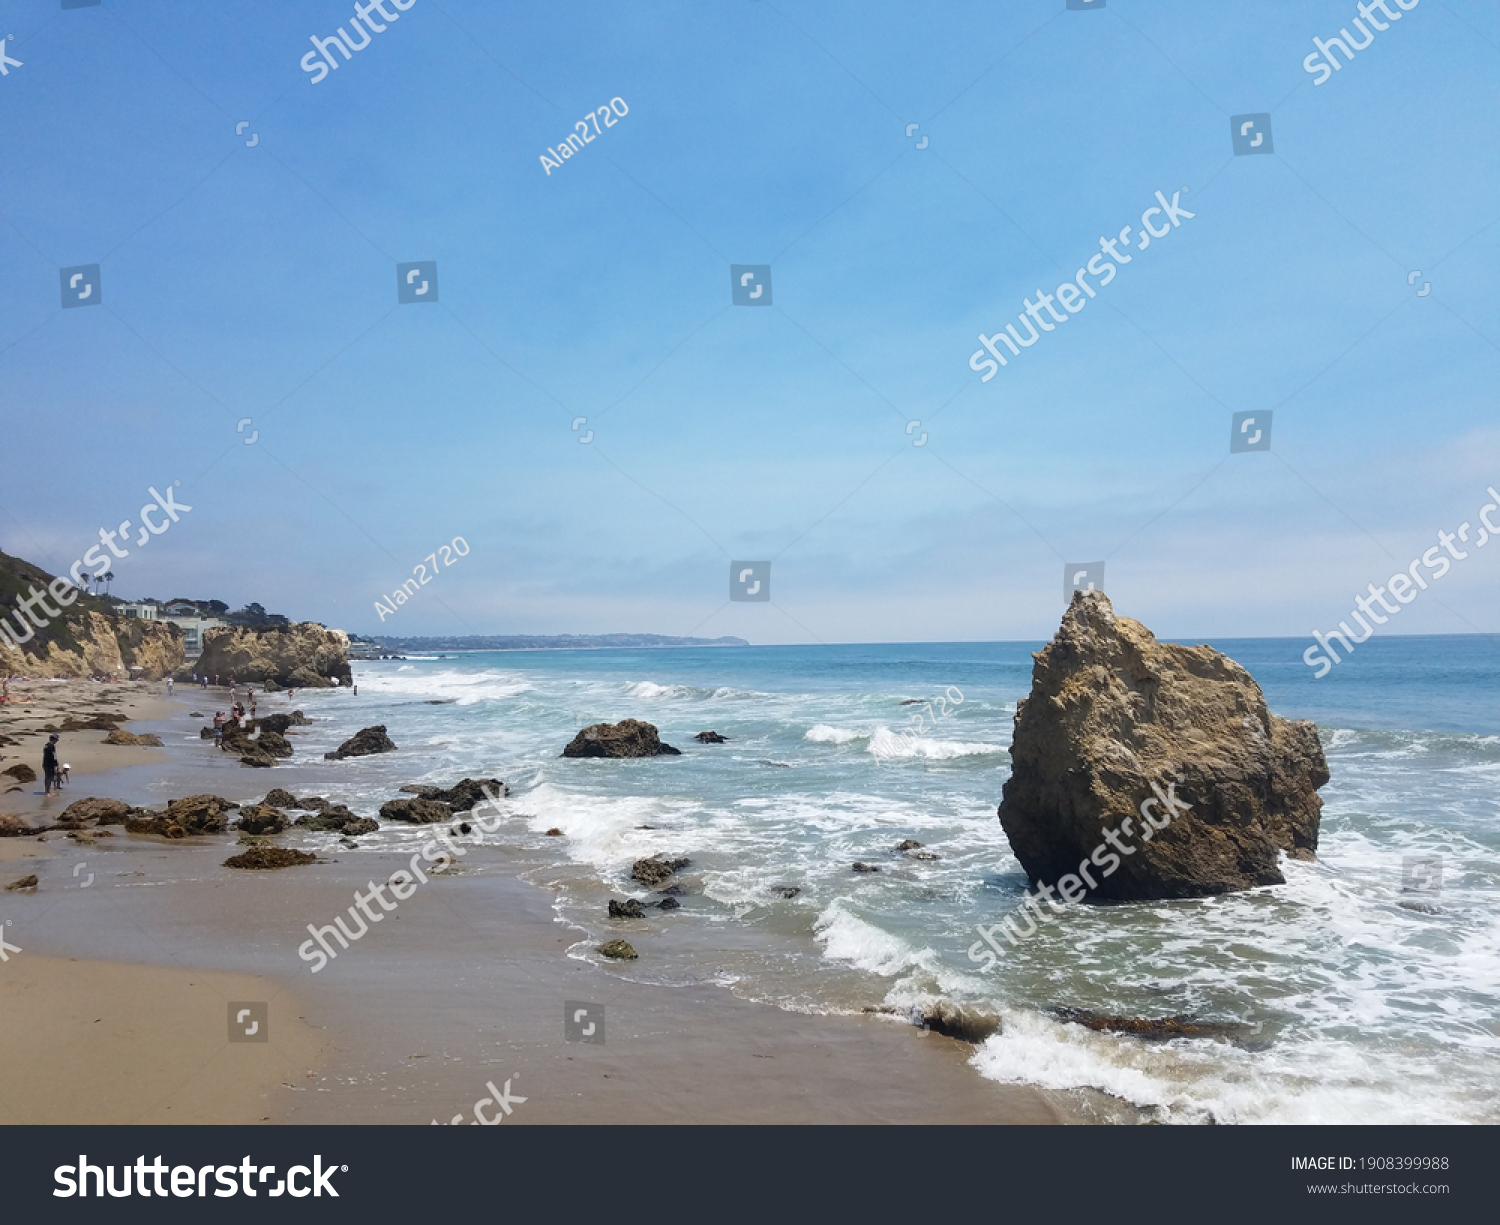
x=463 y=985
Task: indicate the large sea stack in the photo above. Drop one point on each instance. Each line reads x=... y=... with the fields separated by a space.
x=1112 y=712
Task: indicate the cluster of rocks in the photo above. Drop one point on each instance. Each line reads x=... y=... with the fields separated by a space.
x=651 y=872
x=258 y=742
x=198 y=815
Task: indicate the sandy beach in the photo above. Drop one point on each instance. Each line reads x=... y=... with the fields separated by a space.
x=131 y=949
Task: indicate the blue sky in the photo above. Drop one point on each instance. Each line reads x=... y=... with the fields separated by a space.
x=260 y=283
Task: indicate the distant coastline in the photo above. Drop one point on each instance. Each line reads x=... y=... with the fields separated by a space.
x=359 y=644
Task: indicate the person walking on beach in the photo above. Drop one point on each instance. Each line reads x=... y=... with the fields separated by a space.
x=219 y=728
x=169 y=686
x=49 y=765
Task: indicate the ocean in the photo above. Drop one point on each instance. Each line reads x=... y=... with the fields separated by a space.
x=1355 y=999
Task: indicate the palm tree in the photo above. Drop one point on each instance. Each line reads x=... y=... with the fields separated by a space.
x=109 y=576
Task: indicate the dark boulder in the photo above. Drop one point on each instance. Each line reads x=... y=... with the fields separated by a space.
x=710 y=738
x=628 y=909
x=261 y=819
x=627 y=738
x=101 y=812
x=146 y=740
x=465 y=794
x=618 y=950
x=277 y=798
x=415 y=811
x=265 y=858
x=335 y=818
x=363 y=743
x=651 y=872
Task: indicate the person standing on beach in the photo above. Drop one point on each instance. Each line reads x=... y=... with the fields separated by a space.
x=49 y=765
x=169 y=686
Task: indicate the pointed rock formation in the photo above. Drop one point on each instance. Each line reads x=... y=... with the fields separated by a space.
x=1116 y=719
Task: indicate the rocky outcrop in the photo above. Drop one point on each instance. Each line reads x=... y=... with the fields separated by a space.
x=363 y=743
x=100 y=812
x=627 y=738
x=463 y=795
x=628 y=909
x=618 y=950
x=21 y=772
x=303 y=655
x=1171 y=750
x=710 y=738
x=265 y=858
x=100 y=721
x=415 y=811
x=87 y=639
x=261 y=819
x=193 y=814
x=335 y=818
x=146 y=740
x=279 y=723
x=278 y=798
x=651 y=872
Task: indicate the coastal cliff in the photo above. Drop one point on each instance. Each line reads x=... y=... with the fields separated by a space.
x=87 y=639
x=303 y=655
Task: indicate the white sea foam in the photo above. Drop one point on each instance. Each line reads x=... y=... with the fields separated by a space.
x=821 y=733
x=886 y=743
x=845 y=937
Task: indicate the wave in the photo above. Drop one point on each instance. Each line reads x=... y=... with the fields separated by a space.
x=821 y=733
x=650 y=691
x=885 y=743
x=845 y=937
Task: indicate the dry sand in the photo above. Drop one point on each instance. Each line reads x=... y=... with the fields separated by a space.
x=36 y=706
x=464 y=985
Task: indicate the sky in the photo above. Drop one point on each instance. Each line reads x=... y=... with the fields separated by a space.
x=582 y=403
